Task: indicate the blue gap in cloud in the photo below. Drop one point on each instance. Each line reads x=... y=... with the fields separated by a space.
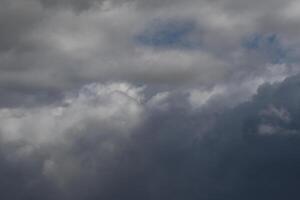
x=169 y=34
x=269 y=46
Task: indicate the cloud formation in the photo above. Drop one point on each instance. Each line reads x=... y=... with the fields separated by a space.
x=110 y=141
x=139 y=99
x=49 y=45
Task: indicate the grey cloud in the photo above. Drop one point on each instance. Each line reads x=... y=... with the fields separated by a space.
x=212 y=122
x=177 y=159
x=17 y=19
x=76 y=4
x=28 y=98
x=176 y=153
x=82 y=5
x=53 y=47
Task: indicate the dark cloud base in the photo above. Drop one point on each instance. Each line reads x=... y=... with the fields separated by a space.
x=152 y=145
x=183 y=154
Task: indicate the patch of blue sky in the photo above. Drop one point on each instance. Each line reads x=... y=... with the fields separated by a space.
x=170 y=34
x=269 y=46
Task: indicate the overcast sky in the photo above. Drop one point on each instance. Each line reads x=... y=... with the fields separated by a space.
x=149 y=99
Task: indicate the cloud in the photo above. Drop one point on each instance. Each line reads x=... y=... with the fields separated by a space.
x=58 y=48
x=123 y=144
x=101 y=115
x=170 y=34
x=149 y=100
x=115 y=106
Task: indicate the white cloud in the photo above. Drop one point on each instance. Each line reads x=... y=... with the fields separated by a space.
x=159 y=101
x=114 y=107
x=199 y=98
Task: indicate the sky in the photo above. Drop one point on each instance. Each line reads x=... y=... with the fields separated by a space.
x=149 y=99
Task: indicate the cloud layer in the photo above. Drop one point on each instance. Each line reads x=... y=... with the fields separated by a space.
x=111 y=141
x=63 y=44
x=139 y=99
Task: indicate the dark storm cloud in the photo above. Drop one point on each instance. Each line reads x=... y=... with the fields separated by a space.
x=176 y=159
x=210 y=118
x=22 y=178
x=178 y=153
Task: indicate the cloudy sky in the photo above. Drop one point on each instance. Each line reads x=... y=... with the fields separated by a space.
x=149 y=99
